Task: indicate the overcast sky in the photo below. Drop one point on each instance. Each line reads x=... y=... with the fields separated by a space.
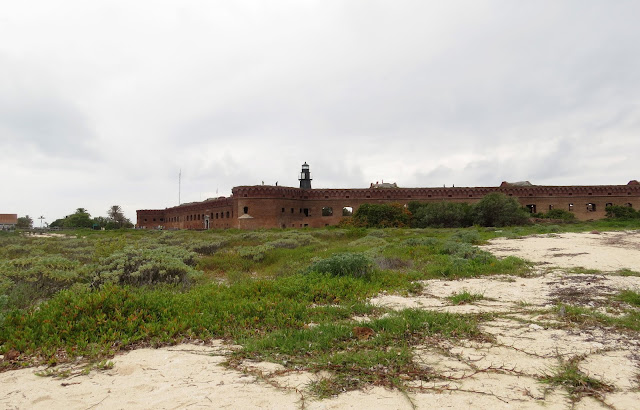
x=103 y=102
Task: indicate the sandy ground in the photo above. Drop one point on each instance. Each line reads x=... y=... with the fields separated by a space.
x=503 y=374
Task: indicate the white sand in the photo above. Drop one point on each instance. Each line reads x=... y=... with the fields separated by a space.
x=502 y=374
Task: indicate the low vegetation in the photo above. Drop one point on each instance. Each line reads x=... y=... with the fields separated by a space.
x=464 y=297
x=569 y=376
x=285 y=296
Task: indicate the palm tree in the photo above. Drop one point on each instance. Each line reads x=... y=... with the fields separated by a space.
x=116 y=215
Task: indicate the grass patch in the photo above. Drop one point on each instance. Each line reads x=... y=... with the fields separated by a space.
x=630 y=297
x=464 y=297
x=589 y=317
x=585 y=271
x=627 y=272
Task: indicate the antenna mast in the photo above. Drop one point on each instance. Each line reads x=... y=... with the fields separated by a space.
x=179 y=184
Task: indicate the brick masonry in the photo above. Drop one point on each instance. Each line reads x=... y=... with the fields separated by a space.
x=266 y=206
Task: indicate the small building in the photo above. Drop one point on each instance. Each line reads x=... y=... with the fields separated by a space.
x=8 y=222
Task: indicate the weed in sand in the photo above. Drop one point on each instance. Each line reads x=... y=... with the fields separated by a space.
x=464 y=297
x=569 y=376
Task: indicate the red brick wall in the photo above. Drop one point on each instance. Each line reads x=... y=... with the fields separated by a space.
x=271 y=207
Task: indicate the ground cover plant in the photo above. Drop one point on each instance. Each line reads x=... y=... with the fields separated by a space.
x=576 y=383
x=284 y=296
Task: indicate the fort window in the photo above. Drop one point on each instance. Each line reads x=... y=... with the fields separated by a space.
x=368 y=196
x=216 y=215
x=198 y=217
x=300 y=211
x=627 y=204
x=245 y=195
x=532 y=208
x=246 y=209
x=227 y=214
x=306 y=211
x=609 y=193
x=161 y=219
x=429 y=196
x=154 y=219
x=591 y=207
x=590 y=193
x=326 y=197
x=570 y=193
x=282 y=210
x=347 y=196
x=570 y=207
x=305 y=225
x=221 y=215
x=291 y=210
x=347 y=211
x=327 y=211
x=145 y=219
x=211 y=215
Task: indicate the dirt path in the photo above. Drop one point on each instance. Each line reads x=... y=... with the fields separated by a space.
x=529 y=341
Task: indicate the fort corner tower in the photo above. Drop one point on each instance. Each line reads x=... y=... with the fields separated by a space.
x=305 y=177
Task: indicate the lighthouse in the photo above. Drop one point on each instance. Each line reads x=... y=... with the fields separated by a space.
x=305 y=177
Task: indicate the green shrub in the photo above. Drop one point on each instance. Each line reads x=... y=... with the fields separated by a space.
x=207 y=247
x=466 y=251
x=344 y=264
x=441 y=214
x=39 y=277
x=135 y=266
x=466 y=236
x=382 y=216
x=255 y=253
x=498 y=209
x=562 y=214
x=621 y=212
x=428 y=241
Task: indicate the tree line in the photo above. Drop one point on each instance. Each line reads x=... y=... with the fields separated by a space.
x=81 y=218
